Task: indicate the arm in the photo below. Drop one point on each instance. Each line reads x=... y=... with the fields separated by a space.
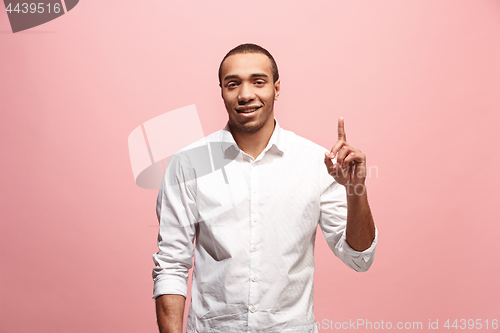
x=350 y=171
x=360 y=230
x=170 y=312
x=360 y=234
x=334 y=223
x=176 y=213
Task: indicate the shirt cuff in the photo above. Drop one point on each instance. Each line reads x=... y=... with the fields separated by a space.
x=170 y=286
x=362 y=260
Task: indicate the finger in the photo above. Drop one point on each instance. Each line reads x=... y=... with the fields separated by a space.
x=341 y=131
x=329 y=163
x=330 y=166
x=343 y=152
x=327 y=157
x=336 y=147
x=354 y=156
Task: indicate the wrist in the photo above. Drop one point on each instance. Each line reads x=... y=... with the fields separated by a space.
x=355 y=190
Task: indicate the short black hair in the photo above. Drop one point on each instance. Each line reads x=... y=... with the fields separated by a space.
x=251 y=48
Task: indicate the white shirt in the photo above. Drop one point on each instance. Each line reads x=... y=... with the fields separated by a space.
x=255 y=223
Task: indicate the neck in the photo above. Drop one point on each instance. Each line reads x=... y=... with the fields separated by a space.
x=254 y=143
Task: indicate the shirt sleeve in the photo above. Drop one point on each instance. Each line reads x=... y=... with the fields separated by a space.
x=176 y=212
x=333 y=221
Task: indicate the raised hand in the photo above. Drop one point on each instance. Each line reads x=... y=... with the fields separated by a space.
x=345 y=163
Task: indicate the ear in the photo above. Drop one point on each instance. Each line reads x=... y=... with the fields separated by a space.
x=276 y=89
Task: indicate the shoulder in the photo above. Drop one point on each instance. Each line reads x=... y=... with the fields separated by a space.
x=198 y=157
x=213 y=137
x=300 y=144
x=309 y=155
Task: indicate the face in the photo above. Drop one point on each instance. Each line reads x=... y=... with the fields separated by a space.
x=248 y=91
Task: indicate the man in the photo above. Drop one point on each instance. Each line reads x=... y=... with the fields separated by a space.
x=255 y=219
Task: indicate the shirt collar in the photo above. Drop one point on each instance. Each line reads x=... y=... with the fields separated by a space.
x=276 y=143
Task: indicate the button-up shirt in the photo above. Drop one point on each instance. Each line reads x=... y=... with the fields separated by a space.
x=254 y=222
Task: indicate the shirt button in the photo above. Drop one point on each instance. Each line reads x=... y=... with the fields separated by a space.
x=254 y=279
x=254 y=248
x=255 y=221
x=252 y=309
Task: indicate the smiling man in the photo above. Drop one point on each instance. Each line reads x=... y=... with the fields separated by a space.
x=255 y=220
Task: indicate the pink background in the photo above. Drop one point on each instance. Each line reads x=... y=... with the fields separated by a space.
x=417 y=81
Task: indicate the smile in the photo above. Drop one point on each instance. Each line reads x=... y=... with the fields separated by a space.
x=248 y=113
x=248 y=110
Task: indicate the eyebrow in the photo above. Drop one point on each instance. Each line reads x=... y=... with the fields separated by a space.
x=234 y=76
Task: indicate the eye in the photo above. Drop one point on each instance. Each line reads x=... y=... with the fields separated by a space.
x=232 y=84
x=260 y=83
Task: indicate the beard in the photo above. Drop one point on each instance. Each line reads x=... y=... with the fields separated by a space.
x=251 y=126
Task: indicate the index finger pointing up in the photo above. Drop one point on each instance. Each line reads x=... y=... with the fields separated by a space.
x=341 y=130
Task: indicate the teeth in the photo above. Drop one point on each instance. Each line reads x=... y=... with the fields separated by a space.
x=249 y=110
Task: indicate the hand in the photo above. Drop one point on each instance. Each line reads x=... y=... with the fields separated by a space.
x=349 y=167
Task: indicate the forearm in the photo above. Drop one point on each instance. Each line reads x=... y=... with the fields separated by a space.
x=360 y=229
x=170 y=313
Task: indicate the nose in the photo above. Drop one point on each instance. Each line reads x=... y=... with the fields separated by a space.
x=246 y=94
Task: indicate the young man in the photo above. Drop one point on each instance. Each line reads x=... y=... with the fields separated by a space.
x=255 y=219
